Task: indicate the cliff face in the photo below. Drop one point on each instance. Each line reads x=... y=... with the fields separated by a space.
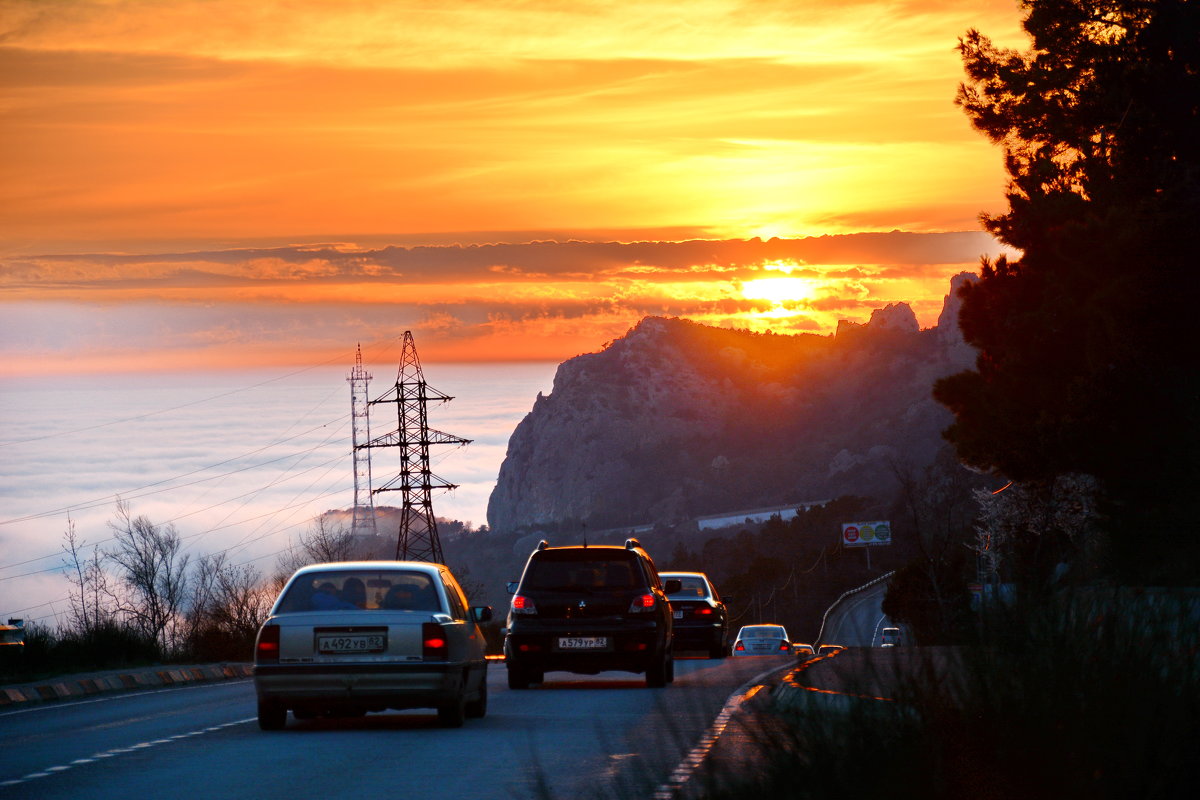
x=676 y=420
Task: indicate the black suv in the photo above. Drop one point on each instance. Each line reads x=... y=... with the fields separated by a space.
x=589 y=610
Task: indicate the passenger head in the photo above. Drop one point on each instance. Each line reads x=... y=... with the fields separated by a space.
x=355 y=591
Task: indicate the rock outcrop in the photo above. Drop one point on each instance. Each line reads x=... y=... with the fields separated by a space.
x=676 y=420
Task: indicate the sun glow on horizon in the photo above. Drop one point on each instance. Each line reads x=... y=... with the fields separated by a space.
x=780 y=290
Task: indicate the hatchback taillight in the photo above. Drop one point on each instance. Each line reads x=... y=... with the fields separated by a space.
x=266 y=649
x=641 y=604
x=433 y=642
x=523 y=605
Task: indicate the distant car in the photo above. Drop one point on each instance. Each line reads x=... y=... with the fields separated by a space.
x=762 y=640
x=589 y=610
x=829 y=649
x=701 y=620
x=803 y=651
x=889 y=637
x=351 y=637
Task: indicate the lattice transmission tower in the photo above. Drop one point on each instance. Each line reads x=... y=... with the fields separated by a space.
x=418 y=536
x=363 y=521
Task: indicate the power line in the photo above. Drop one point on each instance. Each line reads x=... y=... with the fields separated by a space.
x=148 y=414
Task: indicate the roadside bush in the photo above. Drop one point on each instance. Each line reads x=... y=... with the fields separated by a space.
x=110 y=646
x=1097 y=696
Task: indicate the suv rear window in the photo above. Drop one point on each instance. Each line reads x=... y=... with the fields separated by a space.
x=570 y=570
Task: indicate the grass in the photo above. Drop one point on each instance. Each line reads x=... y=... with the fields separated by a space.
x=1094 y=696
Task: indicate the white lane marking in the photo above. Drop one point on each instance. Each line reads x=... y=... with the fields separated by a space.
x=126 y=695
x=695 y=757
x=117 y=751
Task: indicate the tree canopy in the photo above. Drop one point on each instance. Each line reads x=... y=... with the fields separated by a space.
x=1088 y=360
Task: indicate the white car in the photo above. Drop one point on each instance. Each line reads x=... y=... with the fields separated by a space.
x=762 y=640
x=350 y=637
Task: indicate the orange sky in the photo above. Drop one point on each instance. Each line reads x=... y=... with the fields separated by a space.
x=166 y=165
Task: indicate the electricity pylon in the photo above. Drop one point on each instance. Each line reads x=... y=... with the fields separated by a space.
x=363 y=521
x=418 y=535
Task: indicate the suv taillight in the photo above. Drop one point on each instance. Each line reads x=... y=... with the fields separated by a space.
x=641 y=604
x=433 y=642
x=523 y=605
x=266 y=649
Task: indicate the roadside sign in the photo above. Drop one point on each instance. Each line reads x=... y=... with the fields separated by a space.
x=866 y=534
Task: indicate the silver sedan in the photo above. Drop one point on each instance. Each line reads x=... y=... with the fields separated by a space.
x=762 y=640
x=347 y=638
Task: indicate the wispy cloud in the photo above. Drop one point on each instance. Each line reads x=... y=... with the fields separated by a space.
x=535 y=300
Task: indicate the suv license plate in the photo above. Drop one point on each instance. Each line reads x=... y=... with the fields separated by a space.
x=582 y=642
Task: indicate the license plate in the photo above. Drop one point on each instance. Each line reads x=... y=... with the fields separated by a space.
x=582 y=642
x=678 y=614
x=351 y=643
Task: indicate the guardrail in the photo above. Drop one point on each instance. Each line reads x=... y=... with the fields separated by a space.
x=846 y=594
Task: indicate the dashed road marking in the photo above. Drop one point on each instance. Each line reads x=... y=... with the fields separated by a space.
x=117 y=751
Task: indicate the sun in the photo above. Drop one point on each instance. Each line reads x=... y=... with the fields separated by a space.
x=780 y=290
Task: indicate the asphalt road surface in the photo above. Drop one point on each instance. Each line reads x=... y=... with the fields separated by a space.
x=573 y=737
x=857 y=621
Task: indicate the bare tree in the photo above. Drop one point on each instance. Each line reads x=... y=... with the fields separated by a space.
x=154 y=574
x=324 y=541
x=228 y=601
x=90 y=608
x=1029 y=531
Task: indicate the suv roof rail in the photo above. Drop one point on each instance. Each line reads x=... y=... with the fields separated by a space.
x=543 y=544
x=632 y=543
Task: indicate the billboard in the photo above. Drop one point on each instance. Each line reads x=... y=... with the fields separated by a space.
x=866 y=534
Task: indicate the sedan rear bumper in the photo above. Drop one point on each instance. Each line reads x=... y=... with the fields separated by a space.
x=369 y=686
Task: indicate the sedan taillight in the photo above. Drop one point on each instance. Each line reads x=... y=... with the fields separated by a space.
x=433 y=642
x=266 y=649
x=785 y=647
x=739 y=647
x=703 y=611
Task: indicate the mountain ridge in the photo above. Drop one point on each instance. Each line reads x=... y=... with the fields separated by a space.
x=676 y=419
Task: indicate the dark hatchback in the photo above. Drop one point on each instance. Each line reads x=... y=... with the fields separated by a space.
x=589 y=610
x=701 y=619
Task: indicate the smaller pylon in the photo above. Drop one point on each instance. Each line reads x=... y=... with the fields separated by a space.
x=363 y=521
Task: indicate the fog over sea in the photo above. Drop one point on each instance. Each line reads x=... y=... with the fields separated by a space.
x=236 y=460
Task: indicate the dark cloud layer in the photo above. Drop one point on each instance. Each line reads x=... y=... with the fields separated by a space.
x=696 y=259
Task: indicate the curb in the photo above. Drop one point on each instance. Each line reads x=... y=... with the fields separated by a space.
x=794 y=695
x=77 y=687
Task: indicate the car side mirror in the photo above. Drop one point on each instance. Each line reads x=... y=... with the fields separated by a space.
x=481 y=613
x=672 y=585
x=511 y=586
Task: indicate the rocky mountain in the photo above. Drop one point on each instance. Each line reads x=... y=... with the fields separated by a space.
x=676 y=420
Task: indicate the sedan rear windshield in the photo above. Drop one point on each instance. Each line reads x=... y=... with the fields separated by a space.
x=692 y=587
x=366 y=590
x=763 y=632
x=572 y=570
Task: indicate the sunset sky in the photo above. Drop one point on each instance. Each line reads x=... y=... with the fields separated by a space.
x=201 y=183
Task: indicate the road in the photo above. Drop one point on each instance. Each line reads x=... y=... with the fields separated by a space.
x=858 y=620
x=573 y=737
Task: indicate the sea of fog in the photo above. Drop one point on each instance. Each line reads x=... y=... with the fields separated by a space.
x=237 y=461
